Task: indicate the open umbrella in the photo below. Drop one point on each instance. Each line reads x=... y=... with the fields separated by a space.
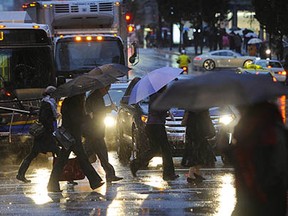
x=152 y=82
x=219 y=89
x=113 y=69
x=254 y=41
x=82 y=84
x=251 y=34
x=99 y=77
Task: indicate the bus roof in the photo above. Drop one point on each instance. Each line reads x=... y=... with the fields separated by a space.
x=15 y=17
x=8 y=25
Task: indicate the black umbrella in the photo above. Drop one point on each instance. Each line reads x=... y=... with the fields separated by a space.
x=219 y=89
x=83 y=83
x=97 y=78
x=113 y=69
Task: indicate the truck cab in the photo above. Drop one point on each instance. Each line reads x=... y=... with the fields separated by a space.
x=86 y=33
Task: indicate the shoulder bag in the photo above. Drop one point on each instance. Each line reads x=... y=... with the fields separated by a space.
x=64 y=137
x=36 y=129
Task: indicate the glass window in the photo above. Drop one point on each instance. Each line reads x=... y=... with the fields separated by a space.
x=26 y=67
x=73 y=56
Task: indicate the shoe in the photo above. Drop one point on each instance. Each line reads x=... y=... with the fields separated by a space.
x=134 y=168
x=113 y=178
x=72 y=183
x=97 y=185
x=23 y=179
x=199 y=177
x=171 y=177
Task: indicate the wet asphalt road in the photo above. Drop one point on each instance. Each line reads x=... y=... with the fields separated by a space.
x=147 y=194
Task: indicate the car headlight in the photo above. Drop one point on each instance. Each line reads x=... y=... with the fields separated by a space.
x=226 y=119
x=110 y=121
x=268 y=51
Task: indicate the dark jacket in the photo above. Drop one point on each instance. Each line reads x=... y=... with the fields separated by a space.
x=72 y=111
x=46 y=142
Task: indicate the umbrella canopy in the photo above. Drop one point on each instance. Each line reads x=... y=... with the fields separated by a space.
x=254 y=41
x=113 y=69
x=99 y=77
x=219 y=89
x=152 y=82
x=82 y=84
x=251 y=34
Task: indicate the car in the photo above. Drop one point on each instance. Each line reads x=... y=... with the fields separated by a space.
x=116 y=92
x=131 y=123
x=274 y=66
x=221 y=59
x=256 y=69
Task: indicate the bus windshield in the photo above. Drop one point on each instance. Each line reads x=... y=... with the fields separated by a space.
x=81 y=57
x=26 y=67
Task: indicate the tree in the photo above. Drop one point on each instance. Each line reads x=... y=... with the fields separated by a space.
x=272 y=15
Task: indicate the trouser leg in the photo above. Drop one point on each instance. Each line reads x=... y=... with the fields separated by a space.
x=161 y=137
x=101 y=151
x=86 y=166
x=26 y=162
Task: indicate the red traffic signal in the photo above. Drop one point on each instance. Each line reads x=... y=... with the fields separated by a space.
x=128 y=17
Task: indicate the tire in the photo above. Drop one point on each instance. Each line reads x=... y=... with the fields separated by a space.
x=249 y=61
x=135 y=144
x=209 y=65
x=124 y=151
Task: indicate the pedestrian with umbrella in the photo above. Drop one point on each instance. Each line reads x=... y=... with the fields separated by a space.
x=94 y=136
x=152 y=85
x=198 y=152
x=259 y=150
x=73 y=113
x=259 y=156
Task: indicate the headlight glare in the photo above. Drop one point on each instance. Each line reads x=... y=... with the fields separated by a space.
x=225 y=119
x=109 y=121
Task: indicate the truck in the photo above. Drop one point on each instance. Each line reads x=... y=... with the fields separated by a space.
x=87 y=33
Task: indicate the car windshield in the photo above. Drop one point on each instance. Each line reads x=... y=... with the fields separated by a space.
x=116 y=94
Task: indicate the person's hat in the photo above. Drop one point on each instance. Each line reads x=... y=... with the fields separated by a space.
x=49 y=90
x=183 y=51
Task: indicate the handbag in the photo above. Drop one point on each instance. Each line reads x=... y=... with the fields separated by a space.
x=36 y=129
x=64 y=137
x=71 y=171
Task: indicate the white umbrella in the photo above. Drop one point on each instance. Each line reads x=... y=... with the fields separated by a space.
x=152 y=82
x=251 y=34
x=254 y=41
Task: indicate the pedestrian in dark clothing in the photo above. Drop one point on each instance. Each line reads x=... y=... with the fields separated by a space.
x=198 y=151
x=94 y=139
x=45 y=142
x=156 y=133
x=72 y=111
x=238 y=43
x=259 y=156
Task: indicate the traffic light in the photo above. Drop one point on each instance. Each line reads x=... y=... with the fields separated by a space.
x=128 y=18
x=130 y=28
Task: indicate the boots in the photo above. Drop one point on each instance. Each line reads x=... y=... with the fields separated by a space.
x=22 y=170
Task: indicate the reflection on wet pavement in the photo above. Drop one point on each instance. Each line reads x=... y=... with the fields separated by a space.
x=147 y=194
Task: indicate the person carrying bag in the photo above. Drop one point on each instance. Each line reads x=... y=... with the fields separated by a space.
x=43 y=133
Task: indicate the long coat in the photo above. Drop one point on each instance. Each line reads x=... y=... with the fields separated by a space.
x=46 y=142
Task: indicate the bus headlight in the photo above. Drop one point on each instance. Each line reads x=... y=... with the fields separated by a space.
x=110 y=121
x=226 y=119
